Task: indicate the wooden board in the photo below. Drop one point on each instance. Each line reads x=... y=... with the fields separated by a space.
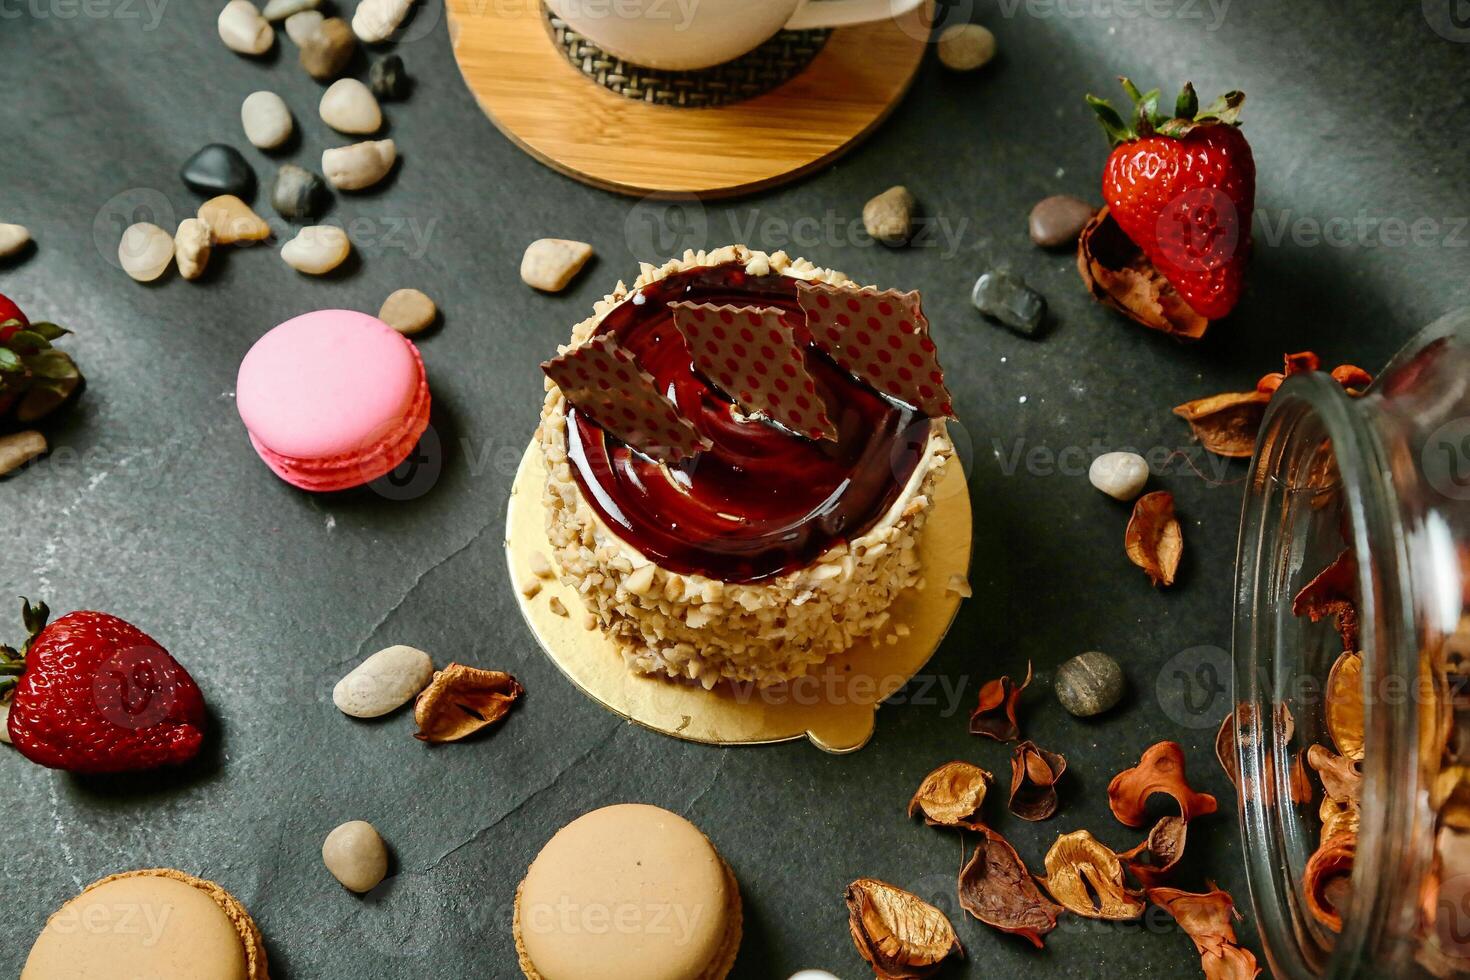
x=548 y=108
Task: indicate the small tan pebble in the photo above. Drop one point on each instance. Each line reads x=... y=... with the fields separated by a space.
x=300 y=27
x=589 y=622
x=13 y=238
x=145 y=251
x=540 y=567
x=351 y=168
x=243 y=29
x=19 y=448
x=408 y=311
x=327 y=50
x=965 y=47
x=556 y=606
x=960 y=586
x=349 y=106
x=550 y=263
x=889 y=217
x=266 y=119
x=356 y=856
x=530 y=587
x=192 y=244
x=231 y=221
x=376 y=20
x=384 y=682
x=317 y=249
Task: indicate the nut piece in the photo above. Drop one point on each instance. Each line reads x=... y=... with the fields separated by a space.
x=351 y=168
x=243 y=30
x=356 y=856
x=550 y=263
x=19 y=448
x=145 y=251
x=965 y=47
x=384 y=682
x=410 y=312
x=192 y=245
x=557 y=606
x=230 y=220
x=960 y=586
x=530 y=588
x=317 y=249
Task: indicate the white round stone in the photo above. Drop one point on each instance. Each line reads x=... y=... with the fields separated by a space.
x=813 y=975
x=317 y=249
x=145 y=251
x=351 y=168
x=384 y=682
x=243 y=30
x=375 y=20
x=965 y=47
x=349 y=106
x=266 y=119
x=281 y=9
x=13 y=238
x=1119 y=475
x=301 y=26
x=356 y=856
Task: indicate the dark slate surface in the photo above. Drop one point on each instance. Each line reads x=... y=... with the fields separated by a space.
x=154 y=508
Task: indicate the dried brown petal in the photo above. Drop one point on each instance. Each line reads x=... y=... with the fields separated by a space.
x=996 y=888
x=1331 y=593
x=1340 y=776
x=1352 y=377
x=461 y=700
x=1345 y=718
x=899 y=934
x=1154 y=541
x=1034 y=774
x=951 y=796
x=1338 y=817
x=1226 y=424
x=1087 y=878
x=1449 y=797
x=1301 y=783
x=1119 y=275
x=1327 y=867
x=1160 y=770
x=1151 y=861
x=995 y=714
x=1207 y=919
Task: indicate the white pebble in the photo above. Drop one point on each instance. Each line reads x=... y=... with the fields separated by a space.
x=376 y=20
x=356 y=856
x=282 y=9
x=965 y=47
x=550 y=263
x=351 y=168
x=145 y=251
x=18 y=449
x=301 y=26
x=349 y=106
x=13 y=238
x=813 y=975
x=192 y=244
x=317 y=249
x=5 y=722
x=1119 y=475
x=243 y=30
x=384 y=682
x=266 y=119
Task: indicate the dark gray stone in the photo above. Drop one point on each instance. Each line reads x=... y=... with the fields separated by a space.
x=1008 y=299
x=1059 y=219
x=389 y=80
x=1089 y=684
x=297 y=194
x=219 y=169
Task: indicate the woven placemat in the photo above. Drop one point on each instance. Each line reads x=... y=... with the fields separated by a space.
x=767 y=67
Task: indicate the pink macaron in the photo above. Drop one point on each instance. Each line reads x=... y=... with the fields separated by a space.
x=333 y=399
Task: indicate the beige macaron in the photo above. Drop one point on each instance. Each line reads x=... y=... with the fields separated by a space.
x=628 y=890
x=157 y=923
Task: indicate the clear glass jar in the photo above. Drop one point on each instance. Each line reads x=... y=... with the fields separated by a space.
x=1387 y=477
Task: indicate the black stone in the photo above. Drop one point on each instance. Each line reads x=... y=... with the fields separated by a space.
x=219 y=169
x=388 y=79
x=297 y=193
x=1089 y=684
x=1008 y=299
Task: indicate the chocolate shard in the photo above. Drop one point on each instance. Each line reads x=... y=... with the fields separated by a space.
x=605 y=382
x=880 y=336
x=754 y=357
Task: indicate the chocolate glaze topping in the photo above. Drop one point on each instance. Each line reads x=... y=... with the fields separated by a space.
x=763 y=501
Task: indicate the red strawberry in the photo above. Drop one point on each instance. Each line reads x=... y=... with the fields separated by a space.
x=1184 y=189
x=35 y=378
x=97 y=695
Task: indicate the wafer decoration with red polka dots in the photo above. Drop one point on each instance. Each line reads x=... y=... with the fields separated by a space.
x=880 y=336
x=754 y=358
x=606 y=382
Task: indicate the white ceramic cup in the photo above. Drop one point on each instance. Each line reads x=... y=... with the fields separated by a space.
x=678 y=35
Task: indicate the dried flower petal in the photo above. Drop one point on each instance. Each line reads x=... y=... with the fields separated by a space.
x=1034 y=774
x=995 y=714
x=1352 y=377
x=1338 y=817
x=1151 y=861
x=1340 y=777
x=461 y=700
x=1225 y=748
x=951 y=796
x=1331 y=593
x=1160 y=770
x=1087 y=878
x=899 y=934
x=1226 y=424
x=1154 y=541
x=996 y=888
x=1345 y=718
x=1207 y=920
x=1327 y=869
x=1119 y=275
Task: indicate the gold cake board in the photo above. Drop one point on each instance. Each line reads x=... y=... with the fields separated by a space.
x=834 y=707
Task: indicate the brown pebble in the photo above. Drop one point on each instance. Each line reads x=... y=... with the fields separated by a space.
x=231 y=221
x=327 y=50
x=408 y=311
x=1058 y=220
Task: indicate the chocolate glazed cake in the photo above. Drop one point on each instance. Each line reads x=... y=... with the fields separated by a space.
x=769 y=516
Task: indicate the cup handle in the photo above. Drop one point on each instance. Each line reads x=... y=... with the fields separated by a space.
x=844 y=13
